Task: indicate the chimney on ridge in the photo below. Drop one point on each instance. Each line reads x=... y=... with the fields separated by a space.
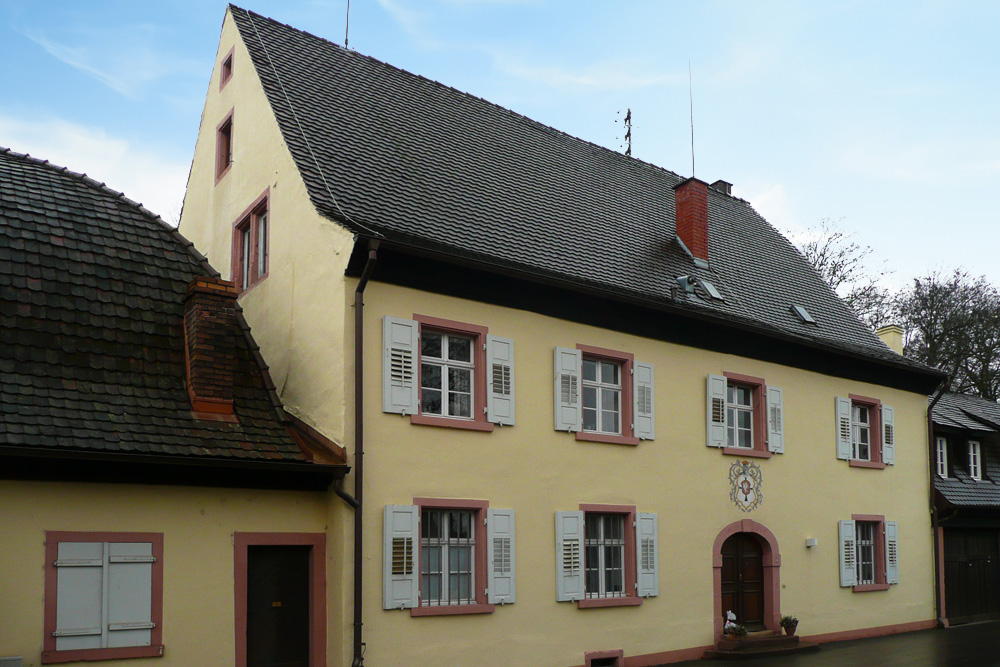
x=691 y=204
x=210 y=347
x=892 y=336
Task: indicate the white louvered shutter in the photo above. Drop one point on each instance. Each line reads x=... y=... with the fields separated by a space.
x=400 y=375
x=569 y=556
x=568 y=393
x=79 y=595
x=888 y=436
x=891 y=552
x=775 y=420
x=130 y=594
x=647 y=559
x=499 y=380
x=716 y=411
x=401 y=533
x=843 y=406
x=643 y=416
x=848 y=554
x=500 y=554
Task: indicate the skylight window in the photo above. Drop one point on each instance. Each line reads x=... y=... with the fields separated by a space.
x=710 y=288
x=803 y=314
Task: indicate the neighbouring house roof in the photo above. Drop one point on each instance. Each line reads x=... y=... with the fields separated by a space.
x=976 y=419
x=388 y=153
x=91 y=331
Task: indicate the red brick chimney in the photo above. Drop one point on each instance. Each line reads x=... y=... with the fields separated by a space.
x=691 y=203
x=210 y=347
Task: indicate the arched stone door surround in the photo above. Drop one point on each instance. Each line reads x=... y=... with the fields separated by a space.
x=772 y=567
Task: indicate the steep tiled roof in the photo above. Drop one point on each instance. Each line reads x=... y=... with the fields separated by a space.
x=979 y=419
x=386 y=152
x=91 y=333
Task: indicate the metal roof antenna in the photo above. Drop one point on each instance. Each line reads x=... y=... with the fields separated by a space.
x=347 y=24
x=628 y=131
x=691 y=101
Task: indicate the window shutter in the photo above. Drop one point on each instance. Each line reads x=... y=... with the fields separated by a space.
x=843 y=428
x=568 y=396
x=399 y=365
x=500 y=550
x=569 y=556
x=79 y=596
x=647 y=560
x=642 y=401
x=716 y=411
x=888 y=436
x=775 y=421
x=500 y=380
x=848 y=554
x=399 y=556
x=891 y=552
x=130 y=591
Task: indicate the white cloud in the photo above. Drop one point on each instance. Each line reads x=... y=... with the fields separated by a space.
x=143 y=174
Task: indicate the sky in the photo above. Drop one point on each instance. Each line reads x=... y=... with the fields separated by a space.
x=881 y=115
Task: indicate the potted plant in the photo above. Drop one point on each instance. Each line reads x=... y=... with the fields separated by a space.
x=789 y=623
x=737 y=631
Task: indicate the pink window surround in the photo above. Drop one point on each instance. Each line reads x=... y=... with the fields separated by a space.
x=759 y=389
x=772 y=572
x=478 y=421
x=617 y=654
x=49 y=653
x=481 y=606
x=226 y=69
x=248 y=222
x=626 y=361
x=875 y=426
x=880 y=564
x=631 y=599
x=224 y=146
x=317 y=588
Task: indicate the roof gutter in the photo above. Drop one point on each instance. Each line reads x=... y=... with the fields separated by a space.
x=359 y=448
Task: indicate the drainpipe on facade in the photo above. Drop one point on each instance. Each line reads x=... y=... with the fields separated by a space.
x=359 y=446
x=941 y=622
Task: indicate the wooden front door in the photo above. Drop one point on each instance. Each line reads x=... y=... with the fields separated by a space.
x=971 y=574
x=278 y=606
x=743 y=580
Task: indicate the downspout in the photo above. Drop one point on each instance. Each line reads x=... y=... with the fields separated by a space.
x=359 y=446
x=941 y=622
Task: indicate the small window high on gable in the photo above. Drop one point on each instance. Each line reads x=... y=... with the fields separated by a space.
x=226 y=69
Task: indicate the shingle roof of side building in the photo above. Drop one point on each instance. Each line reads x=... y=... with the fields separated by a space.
x=978 y=418
x=91 y=329
x=388 y=152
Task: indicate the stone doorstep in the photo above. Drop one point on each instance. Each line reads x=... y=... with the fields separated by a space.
x=756 y=640
x=762 y=651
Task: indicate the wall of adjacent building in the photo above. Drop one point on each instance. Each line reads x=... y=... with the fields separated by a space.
x=198 y=554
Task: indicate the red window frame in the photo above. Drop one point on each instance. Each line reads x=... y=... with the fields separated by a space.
x=226 y=68
x=626 y=361
x=248 y=223
x=478 y=334
x=479 y=583
x=49 y=653
x=880 y=564
x=758 y=388
x=224 y=146
x=630 y=599
x=875 y=440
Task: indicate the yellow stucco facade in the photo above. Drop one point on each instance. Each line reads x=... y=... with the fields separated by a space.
x=302 y=316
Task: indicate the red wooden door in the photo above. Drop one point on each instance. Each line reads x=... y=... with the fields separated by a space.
x=743 y=580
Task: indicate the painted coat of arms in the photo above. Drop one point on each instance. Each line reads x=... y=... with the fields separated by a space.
x=745 y=485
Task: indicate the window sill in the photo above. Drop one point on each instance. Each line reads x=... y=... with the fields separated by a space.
x=749 y=453
x=222 y=174
x=866 y=464
x=865 y=588
x=51 y=657
x=455 y=610
x=448 y=422
x=593 y=603
x=605 y=437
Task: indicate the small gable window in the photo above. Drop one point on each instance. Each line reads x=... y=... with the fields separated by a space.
x=224 y=147
x=250 y=245
x=975 y=461
x=226 y=70
x=942 y=458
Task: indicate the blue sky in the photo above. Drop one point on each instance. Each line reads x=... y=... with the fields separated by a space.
x=884 y=115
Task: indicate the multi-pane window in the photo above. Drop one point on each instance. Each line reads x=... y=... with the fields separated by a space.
x=861 y=432
x=602 y=396
x=739 y=416
x=446 y=374
x=865 y=545
x=942 y=457
x=975 y=461
x=604 y=555
x=447 y=557
x=250 y=258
